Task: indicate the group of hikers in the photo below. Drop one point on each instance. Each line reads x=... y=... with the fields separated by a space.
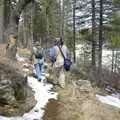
x=59 y=57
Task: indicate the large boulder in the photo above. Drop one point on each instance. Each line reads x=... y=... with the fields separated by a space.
x=15 y=94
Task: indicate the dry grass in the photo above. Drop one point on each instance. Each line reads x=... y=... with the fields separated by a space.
x=83 y=106
x=24 y=52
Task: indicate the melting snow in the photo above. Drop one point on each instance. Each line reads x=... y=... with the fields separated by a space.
x=111 y=100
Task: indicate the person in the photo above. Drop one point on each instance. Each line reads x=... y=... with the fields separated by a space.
x=59 y=63
x=37 y=58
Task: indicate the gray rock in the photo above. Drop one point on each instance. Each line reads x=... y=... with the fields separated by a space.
x=84 y=85
x=5 y=82
x=6 y=92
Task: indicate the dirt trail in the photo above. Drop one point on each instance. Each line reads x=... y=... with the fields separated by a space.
x=77 y=105
x=51 y=110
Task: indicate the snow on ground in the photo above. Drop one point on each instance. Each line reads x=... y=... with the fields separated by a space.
x=42 y=95
x=106 y=54
x=19 y=58
x=79 y=49
x=111 y=100
x=107 y=58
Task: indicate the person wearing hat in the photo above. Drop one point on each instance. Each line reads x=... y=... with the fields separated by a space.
x=37 y=58
x=59 y=72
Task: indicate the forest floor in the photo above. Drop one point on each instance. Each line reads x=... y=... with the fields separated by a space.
x=79 y=105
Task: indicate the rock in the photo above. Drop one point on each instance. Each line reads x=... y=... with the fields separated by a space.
x=84 y=85
x=5 y=82
x=15 y=95
x=6 y=92
x=36 y=110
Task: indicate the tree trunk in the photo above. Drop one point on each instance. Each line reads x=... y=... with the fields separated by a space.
x=113 y=56
x=25 y=27
x=12 y=29
x=93 y=36
x=62 y=19
x=1 y=19
x=116 y=60
x=31 y=26
x=7 y=12
x=74 y=31
x=47 y=35
x=100 y=37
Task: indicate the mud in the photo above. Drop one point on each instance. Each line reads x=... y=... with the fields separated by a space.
x=51 y=110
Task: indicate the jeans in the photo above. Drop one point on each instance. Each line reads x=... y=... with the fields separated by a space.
x=38 y=69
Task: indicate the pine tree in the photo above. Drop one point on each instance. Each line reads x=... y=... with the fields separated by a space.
x=100 y=37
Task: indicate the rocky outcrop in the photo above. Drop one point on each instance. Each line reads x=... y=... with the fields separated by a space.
x=84 y=85
x=6 y=92
x=15 y=94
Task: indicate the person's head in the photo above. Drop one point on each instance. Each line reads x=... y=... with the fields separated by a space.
x=56 y=41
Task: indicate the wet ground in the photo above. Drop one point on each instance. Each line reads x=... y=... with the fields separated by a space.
x=51 y=110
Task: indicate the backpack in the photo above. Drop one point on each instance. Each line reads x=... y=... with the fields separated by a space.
x=39 y=53
x=67 y=64
x=52 y=54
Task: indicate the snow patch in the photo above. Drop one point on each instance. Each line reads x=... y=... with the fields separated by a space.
x=111 y=100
